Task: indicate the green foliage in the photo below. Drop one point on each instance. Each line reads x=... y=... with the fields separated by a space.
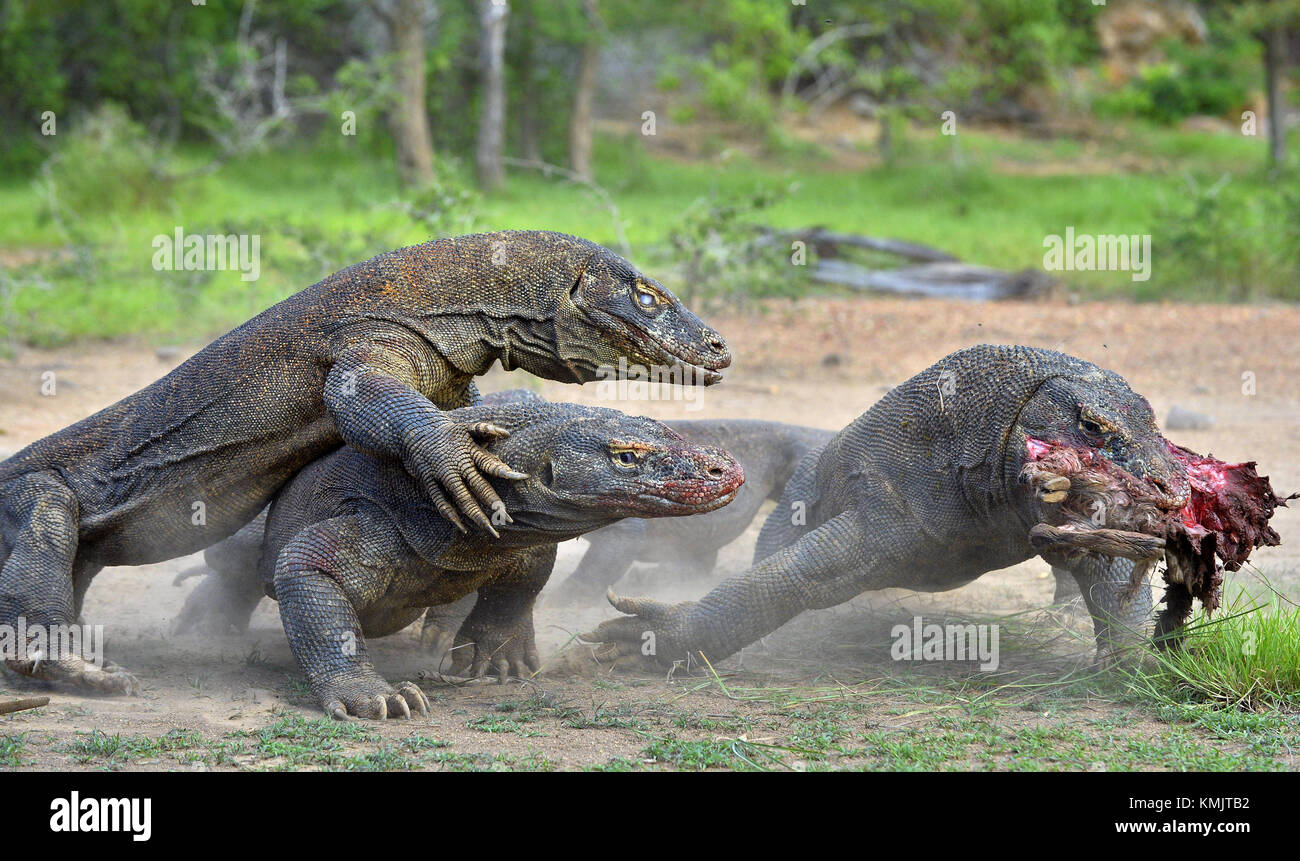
x=1193 y=80
x=1230 y=240
x=1246 y=657
x=724 y=257
x=106 y=162
x=33 y=81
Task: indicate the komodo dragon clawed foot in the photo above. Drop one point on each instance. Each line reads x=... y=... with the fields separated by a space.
x=651 y=628
x=368 y=695
x=483 y=646
x=108 y=679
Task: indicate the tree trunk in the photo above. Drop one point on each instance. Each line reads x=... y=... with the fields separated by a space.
x=410 y=118
x=530 y=133
x=583 y=88
x=1274 y=61
x=492 y=121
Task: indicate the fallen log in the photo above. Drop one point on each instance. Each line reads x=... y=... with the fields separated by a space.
x=11 y=706
x=942 y=280
x=826 y=243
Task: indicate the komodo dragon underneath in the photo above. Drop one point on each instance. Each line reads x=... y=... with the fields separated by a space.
x=688 y=547
x=992 y=455
x=352 y=550
x=374 y=355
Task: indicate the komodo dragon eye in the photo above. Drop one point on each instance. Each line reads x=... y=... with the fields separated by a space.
x=647 y=300
x=1091 y=427
x=625 y=456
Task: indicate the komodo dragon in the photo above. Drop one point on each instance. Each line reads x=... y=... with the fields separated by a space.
x=373 y=355
x=352 y=549
x=688 y=547
x=990 y=456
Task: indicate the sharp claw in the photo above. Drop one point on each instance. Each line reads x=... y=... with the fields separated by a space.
x=514 y=475
x=487 y=524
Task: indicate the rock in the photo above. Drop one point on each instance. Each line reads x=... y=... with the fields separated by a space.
x=1181 y=418
x=1132 y=33
x=167 y=354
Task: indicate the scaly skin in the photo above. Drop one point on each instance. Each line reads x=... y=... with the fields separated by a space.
x=924 y=492
x=373 y=356
x=352 y=550
x=688 y=547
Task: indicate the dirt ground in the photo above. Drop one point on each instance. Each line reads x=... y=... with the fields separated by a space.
x=820 y=693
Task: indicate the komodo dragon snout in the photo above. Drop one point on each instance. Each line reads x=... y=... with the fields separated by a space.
x=623 y=466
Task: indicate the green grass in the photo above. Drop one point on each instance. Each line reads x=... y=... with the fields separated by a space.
x=11 y=749
x=1245 y=657
x=319 y=209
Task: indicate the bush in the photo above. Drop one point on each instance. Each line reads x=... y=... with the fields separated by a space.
x=1226 y=242
x=1194 y=80
x=723 y=256
x=106 y=163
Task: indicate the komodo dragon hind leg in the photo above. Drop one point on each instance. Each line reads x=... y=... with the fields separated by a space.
x=1066 y=590
x=441 y=622
x=612 y=552
x=36 y=583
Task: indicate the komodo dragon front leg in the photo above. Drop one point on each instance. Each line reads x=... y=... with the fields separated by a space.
x=373 y=393
x=498 y=634
x=323 y=578
x=828 y=566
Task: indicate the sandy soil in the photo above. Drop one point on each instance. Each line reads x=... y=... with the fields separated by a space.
x=819 y=362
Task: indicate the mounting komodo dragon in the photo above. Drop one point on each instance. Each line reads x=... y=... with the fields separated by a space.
x=374 y=356
x=991 y=456
x=351 y=549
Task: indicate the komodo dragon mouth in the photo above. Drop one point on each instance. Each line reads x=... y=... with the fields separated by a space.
x=1109 y=511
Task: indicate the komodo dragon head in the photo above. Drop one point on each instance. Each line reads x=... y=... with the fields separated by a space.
x=1099 y=417
x=589 y=467
x=1109 y=484
x=609 y=317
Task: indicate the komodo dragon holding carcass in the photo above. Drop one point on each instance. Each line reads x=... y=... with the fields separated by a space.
x=992 y=455
x=352 y=550
x=374 y=356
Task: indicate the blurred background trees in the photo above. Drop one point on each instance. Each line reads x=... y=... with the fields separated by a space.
x=677 y=131
x=437 y=67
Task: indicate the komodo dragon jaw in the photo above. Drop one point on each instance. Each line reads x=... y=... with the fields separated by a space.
x=614 y=315
x=1224 y=513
